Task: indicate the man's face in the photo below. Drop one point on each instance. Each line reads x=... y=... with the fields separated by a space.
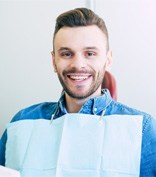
x=80 y=59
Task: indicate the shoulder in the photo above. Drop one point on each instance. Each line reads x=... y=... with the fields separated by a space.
x=36 y=111
x=148 y=150
x=120 y=108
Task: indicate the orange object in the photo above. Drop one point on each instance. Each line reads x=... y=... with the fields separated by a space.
x=109 y=82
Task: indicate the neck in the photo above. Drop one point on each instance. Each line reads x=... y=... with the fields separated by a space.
x=74 y=105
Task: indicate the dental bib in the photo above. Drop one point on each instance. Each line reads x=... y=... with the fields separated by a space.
x=76 y=145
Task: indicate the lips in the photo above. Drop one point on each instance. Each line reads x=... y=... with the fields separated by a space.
x=78 y=77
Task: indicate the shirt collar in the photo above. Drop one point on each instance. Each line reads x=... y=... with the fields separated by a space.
x=92 y=106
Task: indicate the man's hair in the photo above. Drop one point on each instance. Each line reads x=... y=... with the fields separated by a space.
x=80 y=17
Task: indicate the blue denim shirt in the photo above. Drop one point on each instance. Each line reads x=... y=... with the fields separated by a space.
x=95 y=106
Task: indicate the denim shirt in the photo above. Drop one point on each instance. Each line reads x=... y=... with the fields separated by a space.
x=96 y=106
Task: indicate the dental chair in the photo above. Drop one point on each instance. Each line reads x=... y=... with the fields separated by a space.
x=109 y=82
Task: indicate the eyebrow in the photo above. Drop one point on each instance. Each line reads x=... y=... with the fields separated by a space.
x=64 y=48
x=85 y=48
x=91 y=48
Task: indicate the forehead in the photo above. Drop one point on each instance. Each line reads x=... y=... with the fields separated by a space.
x=75 y=37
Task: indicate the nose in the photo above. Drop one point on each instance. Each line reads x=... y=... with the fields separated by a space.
x=78 y=61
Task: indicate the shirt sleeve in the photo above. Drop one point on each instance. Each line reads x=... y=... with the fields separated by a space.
x=2 y=148
x=148 y=155
x=3 y=140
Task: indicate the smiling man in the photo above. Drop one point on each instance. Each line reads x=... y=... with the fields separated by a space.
x=86 y=133
x=80 y=62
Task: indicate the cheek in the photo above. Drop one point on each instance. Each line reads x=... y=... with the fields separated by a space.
x=60 y=67
x=99 y=67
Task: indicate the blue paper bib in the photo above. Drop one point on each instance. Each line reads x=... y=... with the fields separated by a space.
x=76 y=145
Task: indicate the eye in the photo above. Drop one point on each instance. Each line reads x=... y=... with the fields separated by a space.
x=66 y=54
x=90 y=54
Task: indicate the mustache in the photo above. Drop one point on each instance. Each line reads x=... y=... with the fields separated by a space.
x=73 y=71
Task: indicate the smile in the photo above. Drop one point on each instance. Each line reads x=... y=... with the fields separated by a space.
x=78 y=77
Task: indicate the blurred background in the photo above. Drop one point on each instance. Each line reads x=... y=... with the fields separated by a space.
x=26 y=31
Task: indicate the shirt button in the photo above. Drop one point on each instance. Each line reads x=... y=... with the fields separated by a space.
x=95 y=109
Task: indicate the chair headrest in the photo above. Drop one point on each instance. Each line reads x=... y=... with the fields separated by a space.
x=109 y=82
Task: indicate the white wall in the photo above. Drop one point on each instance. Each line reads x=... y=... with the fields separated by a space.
x=26 y=74
x=26 y=29
x=132 y=28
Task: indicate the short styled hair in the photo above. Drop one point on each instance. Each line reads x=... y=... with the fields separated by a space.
x=80 y=17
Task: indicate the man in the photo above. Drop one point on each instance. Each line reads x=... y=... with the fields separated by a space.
x=86 y=133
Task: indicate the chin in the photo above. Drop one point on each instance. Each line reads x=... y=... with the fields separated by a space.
x=78 y=95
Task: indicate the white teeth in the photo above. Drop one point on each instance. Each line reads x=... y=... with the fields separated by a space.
x=79 y=77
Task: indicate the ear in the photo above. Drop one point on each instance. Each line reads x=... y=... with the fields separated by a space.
x=53 y=61
x=108 y=60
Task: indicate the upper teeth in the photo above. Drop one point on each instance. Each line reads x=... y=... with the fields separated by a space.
x=78 y=77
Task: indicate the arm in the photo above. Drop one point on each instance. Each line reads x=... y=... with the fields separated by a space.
x=2 y=148
x=148 y=155
x=4 y=139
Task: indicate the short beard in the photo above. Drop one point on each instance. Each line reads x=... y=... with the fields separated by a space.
x=94 y=87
